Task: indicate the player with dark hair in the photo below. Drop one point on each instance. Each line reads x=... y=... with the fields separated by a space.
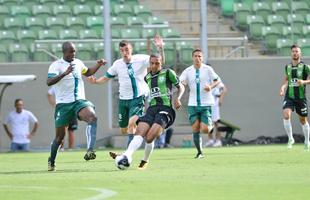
x=160 y=113
x=294 y=92
x=65 y=75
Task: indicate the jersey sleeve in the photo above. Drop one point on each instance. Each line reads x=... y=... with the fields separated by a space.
x=7 y=119
x=307 y=67
x=112 y=71
x=183 y=77
x=84 y=69
x=52 y=71
x=51 y=91
x=146 y=60
x=213 y=75
x=173 y=77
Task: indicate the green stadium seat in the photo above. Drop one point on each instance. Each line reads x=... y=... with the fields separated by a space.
x=142 y=48
x=20 y=12
x=281 y=8
x=75 y=23
x=38 y=54
x=117 y=21
x=7 y=37
x=262 y=9
x=88 y=34
x=98 y=10
x=276 y=21
x=41 y=11
x=123 y=10
x=142 y=11
x=155 y=20
x=255 y=23
x=148 y=33
x=10 y=3
x=291 y=33
x=308 y=19
x=306 y=31
x=13 y=24
x=55 y=23
x=47 y=35
x=19 y=53
x=70 y=3
x=170 y=33
x=300 y=7
x=4 y=12
x=170 y=54
x=115 y=50
x=241 y=12
x=185 y=50
x=130 y=33
x=99 y=50
x=296 y=21
x=57 y=49
x=26 y=36
x=34 y=23
x=49 y=3
x=30 y=3
x=271 y=35
x=68 y=35
x=227 y=8
x=91 y=3
x=304 y=43
x=131 y=3
x=249 y=2
x=95 y=23
x=84 y=51
x=284 y=47
x=62 y=11
x=135 y=21
x=82 y=11
x=4 y=56
x=115 y=34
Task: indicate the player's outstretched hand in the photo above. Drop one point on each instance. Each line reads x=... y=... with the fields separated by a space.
x=177 y=104
x=300 y=82
x=158 y=41
x=91 y=79
x=69 y=69
x=207 y=88
x=101 y=62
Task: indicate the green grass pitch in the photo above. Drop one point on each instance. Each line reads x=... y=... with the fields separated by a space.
x=234 y=173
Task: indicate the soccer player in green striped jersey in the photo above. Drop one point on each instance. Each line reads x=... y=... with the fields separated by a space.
x=294 y=92
x=160 y=113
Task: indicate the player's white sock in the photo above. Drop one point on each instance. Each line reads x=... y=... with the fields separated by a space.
x=148 y=150
x=305 y=130
x=134 y=145
x=288 y=128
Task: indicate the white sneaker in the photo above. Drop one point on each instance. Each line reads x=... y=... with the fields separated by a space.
x=218 y=143
x=209 y=143
x=290 y=143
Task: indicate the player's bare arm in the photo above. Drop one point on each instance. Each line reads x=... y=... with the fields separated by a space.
x=283 y=87
x=181 y=90
x=94 y=69
x=159 y=43
x=53 y=80
x=208 y=88
x=94 y=80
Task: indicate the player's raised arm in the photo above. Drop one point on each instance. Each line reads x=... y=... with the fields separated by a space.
x=159 y=43
x=94 y=69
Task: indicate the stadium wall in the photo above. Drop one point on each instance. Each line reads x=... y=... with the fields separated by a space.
x=252 y=102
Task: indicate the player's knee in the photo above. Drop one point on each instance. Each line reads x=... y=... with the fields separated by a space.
x=149 y=139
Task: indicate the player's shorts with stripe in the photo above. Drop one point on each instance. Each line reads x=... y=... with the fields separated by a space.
x=162 y=115
x=129 y=108
x=201 y=113
x=300 y=105
x=66 y=112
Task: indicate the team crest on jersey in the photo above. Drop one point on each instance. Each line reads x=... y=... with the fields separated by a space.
x=161 y=79
x=197 y=80
x=299 y=72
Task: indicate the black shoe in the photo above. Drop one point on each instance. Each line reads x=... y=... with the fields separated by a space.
x=113 y=154
x=199 y=156
x=51 y=165
x=90 y=155
x=143 y=164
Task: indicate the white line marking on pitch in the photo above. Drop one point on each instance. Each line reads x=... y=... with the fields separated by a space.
x=104 y=193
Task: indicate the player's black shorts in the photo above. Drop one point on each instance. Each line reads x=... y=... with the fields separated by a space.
x=162 y=115
x=300 y=105
x=73 y=125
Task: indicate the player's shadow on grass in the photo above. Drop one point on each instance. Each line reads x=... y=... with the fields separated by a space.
x=58 y=171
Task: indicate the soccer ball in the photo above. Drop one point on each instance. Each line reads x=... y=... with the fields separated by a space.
x=122 y=162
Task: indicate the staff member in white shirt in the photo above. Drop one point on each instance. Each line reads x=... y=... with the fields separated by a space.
x=19 y=120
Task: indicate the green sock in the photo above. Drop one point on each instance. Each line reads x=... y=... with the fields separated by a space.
x=197 y=142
